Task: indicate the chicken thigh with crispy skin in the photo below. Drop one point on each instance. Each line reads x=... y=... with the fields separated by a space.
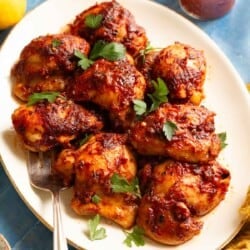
x=93 y=165
x=183 y=68
x=117 y=25
x=45 y=125
x=46 y=64
x=111 y=85
x=176 y=195
x=193 y=140
x=167 y=221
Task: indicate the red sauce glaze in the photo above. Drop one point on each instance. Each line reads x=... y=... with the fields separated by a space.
x=206 y=9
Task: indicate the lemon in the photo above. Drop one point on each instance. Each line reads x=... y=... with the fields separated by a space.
x=248 y=86
x=11 y=11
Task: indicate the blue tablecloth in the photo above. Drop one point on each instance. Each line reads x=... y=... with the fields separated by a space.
x=232 y=35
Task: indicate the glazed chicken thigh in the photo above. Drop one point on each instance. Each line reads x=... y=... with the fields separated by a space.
x=117 y=24
x=167 y=222
x=94 y=164
x=111 y=85
x=176 y=195
x=46 y=64
x=45 y=125
x=194 y=139
x=183 y=68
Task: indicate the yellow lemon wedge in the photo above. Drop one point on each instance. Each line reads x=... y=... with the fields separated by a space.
x=248 y=86
x=11 y=11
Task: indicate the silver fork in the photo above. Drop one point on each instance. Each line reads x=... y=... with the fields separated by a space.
x=41 y=177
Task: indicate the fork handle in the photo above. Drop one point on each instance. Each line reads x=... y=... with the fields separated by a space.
x=59 y=240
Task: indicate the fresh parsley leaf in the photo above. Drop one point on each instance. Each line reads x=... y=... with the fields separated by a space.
x=144 y=52
x=159 y=95
x=96 y=198
x=56 y=43
x=93 y=21
x=135 y=236
x=148 y=48
x=121 y=185
x=37 y=97
x=96 y=49
x=84 y=62
x=112 y=51
x=94 y=232
x=223 y=138
x=140 y=107
x=169 y=129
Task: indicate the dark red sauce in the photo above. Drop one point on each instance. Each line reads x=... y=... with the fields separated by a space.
x=206 y=9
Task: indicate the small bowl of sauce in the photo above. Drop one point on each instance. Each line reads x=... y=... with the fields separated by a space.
x=206 y=9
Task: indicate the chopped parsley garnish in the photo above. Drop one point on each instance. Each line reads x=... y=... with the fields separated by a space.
x=135 y=236
x=112 y=51
x=145 y=51
x=120 y=185
x=169 y=129
x=96 y=198
x=159 y=95
x=140 y=107
x=84 y=62
x=94 y=232
x=37 y=97
x=223 y=138
x=93 y=21
x=56 y=43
